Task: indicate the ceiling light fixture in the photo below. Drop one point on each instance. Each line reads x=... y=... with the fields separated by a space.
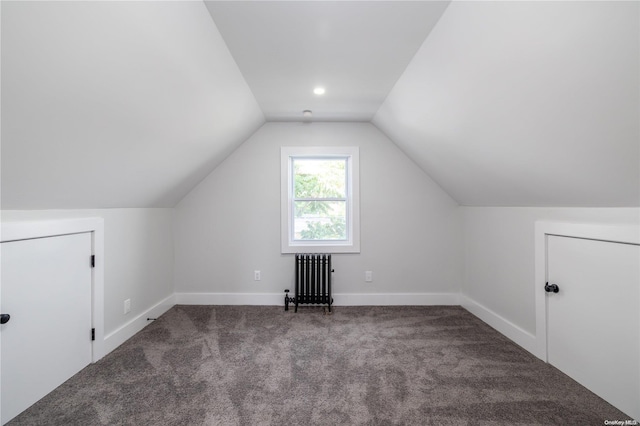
x=319 y=90
x=306 y=113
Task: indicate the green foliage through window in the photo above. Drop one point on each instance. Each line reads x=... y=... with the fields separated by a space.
x=319 y=186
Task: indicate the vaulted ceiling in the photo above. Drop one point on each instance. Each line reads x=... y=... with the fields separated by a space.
x=356 y=50
x=115 y=104
x=525 y=104
x=131 y=104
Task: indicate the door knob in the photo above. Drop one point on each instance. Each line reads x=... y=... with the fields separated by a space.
x=4 y=318
x=551 y=288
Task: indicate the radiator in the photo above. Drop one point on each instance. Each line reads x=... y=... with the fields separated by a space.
x=312 y=281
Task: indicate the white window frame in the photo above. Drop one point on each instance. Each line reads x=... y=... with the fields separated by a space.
x=288 y=244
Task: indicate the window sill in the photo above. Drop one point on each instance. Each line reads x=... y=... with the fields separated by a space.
x=319 y=248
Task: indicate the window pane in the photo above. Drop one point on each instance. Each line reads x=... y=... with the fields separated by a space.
x=319 y=178
x=320 y=220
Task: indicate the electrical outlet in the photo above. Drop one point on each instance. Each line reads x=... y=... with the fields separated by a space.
x=127 y=306
x=368 y=276
x=256 y=275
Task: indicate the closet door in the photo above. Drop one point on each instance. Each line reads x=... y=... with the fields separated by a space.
x=593 y=324
x=46 y=289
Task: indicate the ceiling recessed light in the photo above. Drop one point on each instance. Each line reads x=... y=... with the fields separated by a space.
x=319 y=90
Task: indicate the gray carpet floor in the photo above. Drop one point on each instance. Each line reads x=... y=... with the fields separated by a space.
x=242 y=365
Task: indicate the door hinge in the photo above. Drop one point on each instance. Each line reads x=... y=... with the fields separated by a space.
x=93 y=334
x=93 y=260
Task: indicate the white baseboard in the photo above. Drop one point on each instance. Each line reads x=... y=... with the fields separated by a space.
x=393 y=299
x=268 y=299
x=518 y=335
x=340 y=299
x=122 y=334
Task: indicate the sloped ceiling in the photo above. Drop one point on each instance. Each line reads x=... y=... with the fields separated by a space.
x=115 y=104
x=525 y=104
x=355 y=50
x=131 y=104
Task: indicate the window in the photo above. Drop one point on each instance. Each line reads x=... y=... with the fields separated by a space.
x=319 y=196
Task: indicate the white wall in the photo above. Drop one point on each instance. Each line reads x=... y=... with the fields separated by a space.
x=499 y=252
x=228 y=226
x=138 y=264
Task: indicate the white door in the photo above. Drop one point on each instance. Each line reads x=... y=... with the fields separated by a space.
x=46 y=288
x=593 y=325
